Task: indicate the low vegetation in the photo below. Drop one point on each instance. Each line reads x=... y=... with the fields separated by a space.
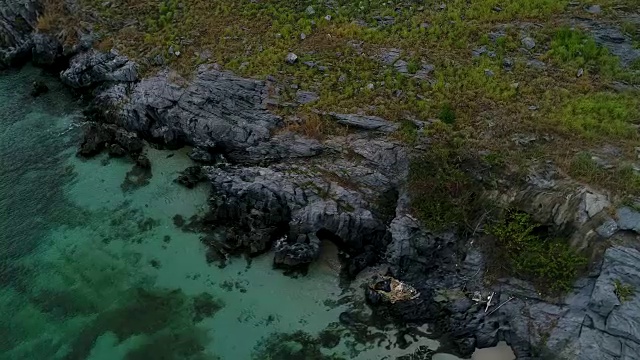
x=525 y=250
x=624 y=292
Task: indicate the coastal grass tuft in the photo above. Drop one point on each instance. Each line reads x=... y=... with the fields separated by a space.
x=624 y=292
x=530 y=254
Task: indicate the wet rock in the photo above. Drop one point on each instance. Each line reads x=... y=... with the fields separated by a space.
x=628 y=219
x=365 y=122
x=528 y=43
x=93 y=68
x=117 y=151
x=142 y=161
x=297 y=255
x=95 y=137
x=191 y=176
x=38 y=88
x=140 y=175
x=201 y=155
x=306 y=97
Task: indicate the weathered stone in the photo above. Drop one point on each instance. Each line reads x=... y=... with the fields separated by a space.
x=18 y=19
x=93 y=68
x=607 y=229
x=528 y=43
x=628 y=219
x=306 y=97
x=365 y=122
x=595 y=203
x=291 y=58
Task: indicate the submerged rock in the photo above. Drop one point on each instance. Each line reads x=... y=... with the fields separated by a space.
x=38 y=88
x=98 y=136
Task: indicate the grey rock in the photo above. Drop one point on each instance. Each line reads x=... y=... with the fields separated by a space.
x=483 y=51
x=607 y=229
x=628 y=219
x=309 y=10
x=215 y=107
x=384 y=20
x=365 y=122
x=298 y=254
x=18 y=19
x=327 y=17
x=594 y=9
x=265 y=202
x=528 y=43
x=425 y=71
x=303 y=36
x=595 y=203
x=489 y=73
x=611 y=37
x=389 y=56
x=508 y=64
x=201 y=155
x=401 y=66
x=93 y=68
x=306 y=97
x=291 y=58
x=47 y=50
x=536 y=64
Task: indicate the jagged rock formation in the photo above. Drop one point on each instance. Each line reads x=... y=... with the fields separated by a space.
x=18 y=19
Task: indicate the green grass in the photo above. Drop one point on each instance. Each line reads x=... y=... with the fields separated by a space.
x=549 y=262
x=601 y=115
x=622 y=178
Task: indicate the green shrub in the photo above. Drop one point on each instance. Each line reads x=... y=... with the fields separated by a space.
x=443 y=195
x=447 y=114
x=624 y=292
x=549 y=262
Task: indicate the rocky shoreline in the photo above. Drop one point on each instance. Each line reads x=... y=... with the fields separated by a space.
x=280 y=191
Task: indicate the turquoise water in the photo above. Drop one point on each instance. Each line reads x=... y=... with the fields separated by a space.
x=91 y=271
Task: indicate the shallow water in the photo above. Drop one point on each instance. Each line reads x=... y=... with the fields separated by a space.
x=92 y=270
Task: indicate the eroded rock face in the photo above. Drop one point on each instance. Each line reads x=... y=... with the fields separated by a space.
x=215 y=110
x=92 y=68
x=301 y=207
x=18 y=19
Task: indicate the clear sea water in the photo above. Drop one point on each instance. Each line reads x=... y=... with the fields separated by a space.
x=91 y=271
